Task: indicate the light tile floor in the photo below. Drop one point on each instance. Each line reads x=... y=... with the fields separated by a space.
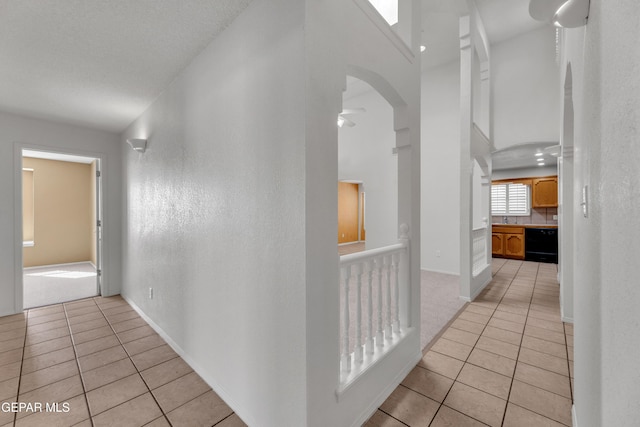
x=507 y=360
x=99 y=357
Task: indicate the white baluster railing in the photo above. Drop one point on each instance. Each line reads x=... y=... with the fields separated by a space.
x=479 y=237
x=381 y=293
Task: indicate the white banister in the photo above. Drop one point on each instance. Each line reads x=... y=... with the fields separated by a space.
x=346 y=356
x=382 y=293
x=479 y=238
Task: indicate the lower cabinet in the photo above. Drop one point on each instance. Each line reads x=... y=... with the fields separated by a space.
x=508 y=242
x=497 y=244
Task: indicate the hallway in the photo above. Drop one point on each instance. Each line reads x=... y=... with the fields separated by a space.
x=102 y=358
x=507 y=360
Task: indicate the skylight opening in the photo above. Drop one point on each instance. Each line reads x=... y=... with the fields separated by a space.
x=388 y=9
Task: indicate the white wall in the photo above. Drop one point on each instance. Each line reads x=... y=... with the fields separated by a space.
x=524 y=78
x=441 y=169
x=607 y=100
x=17 y=132
x=216 y=211
x=365 y=154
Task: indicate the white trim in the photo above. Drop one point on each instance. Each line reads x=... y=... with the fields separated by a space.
x=224 y=395
x=386 y=392
x=28 y=244
x=567 y=319
x=574 y=416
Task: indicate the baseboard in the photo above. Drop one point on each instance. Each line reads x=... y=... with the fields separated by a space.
x=351 y=243
x=56 y=265
x=567 y=319
x=574 y=416
x=384 y=394
x=197 y=368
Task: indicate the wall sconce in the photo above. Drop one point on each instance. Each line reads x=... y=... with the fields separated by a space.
x=561 y=13
x=139 y=145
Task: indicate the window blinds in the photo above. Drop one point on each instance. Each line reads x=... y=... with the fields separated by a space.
x=510 y=199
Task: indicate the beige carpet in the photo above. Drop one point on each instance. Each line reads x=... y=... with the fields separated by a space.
x=58 y=283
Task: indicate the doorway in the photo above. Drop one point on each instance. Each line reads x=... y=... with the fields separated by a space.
x=351 y=227
x=61 y=227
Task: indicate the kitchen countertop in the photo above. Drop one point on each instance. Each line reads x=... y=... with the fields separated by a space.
x=526 y=225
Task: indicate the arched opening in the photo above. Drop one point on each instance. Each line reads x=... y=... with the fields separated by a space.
x=367 y=164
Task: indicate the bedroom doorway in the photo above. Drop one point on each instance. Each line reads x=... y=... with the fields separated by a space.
x=61 y=227
x=351 y=226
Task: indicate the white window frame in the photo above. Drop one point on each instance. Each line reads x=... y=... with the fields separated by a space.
x=511 y=209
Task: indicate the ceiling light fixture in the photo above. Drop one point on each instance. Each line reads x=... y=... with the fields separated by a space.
x=538 y=154
x=561 y=13
x=540 y=159
x=138 y=144
x=541 y=164
x=423 y=48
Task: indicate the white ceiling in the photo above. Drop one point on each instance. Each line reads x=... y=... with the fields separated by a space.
x=100 y=63
x=502 y=19
x=524 y=156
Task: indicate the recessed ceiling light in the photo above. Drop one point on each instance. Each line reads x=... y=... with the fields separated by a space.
x=540 y=164
x=538 y=154
x=423 y=48
x=540 y=159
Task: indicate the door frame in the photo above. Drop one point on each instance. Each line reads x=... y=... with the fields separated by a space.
x=17 y=217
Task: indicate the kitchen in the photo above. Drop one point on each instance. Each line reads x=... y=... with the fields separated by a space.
x=524 y=203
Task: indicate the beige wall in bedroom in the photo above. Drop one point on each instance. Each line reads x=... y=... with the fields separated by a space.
x=62 y=212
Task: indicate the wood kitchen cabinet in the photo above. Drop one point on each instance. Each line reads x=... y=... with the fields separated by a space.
x=497 y=244
x=544 y=192
x=514 y=246
x=508 y=242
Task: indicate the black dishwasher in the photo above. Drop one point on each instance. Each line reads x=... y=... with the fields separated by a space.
x=541 y=244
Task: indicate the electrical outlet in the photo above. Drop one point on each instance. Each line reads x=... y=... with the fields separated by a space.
x=438 y=253
x=150 y=293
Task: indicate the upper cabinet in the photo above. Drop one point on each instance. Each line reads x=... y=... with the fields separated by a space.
x=544 y=192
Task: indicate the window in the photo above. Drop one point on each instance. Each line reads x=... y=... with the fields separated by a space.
x=388 y=9
x=27 y=207
x=510 y=199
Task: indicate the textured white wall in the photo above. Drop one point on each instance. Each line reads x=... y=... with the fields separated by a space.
x=216 y=214
x=607 y=94
x=525 y=81
x=364 y=154
x=441 y=169
x=34 y=133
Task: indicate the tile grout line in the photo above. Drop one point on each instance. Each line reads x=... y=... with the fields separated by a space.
x=467 y=358
x=164 y=415
x=26 y=325
x=73 y=346
x=515 y=368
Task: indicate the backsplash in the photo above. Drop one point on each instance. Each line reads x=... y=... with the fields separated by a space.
x=538 y=216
